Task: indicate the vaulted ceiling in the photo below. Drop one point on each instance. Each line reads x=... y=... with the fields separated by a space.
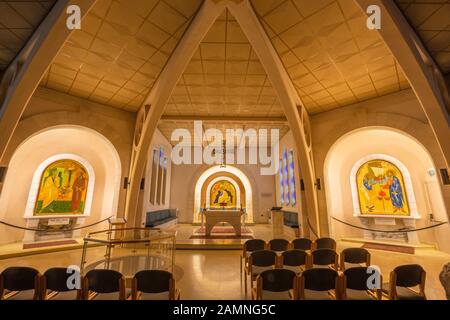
x=333 y=59
x=431 y=20
x=120 y=50
x=18 y=20
x=330 y=56
x=224 y=80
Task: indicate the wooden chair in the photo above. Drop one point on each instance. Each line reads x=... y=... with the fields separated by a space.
x=355 y=285
x=324 y=258
x=404 y=279
x=319 y=284
x=55 y=285
x=354 y=257
x=295 y=260
x=154 y=285
x=302 y=244
x=258 y=262
x=278 y=245
x=325 y=243
x=20 y=283
x=249 y=247
x=100 y=284
x=276 y=284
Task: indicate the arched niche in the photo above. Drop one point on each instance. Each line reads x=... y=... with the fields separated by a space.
x=229 y=171
x=358 y=146
x=31 y=156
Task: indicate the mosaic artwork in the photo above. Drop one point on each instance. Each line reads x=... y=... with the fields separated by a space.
x=381 y=189
x=223 y=195
x=62 y=189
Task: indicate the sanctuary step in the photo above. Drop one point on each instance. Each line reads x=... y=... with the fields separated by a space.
x=17 y=249
x=415 y=247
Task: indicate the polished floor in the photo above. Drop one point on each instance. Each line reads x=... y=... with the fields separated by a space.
x=214 y=274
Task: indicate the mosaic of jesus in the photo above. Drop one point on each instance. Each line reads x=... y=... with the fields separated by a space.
x=381 y=189
x=62 y=189
x=223 y=194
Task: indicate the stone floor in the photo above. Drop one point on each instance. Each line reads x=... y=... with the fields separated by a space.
x=214 y=274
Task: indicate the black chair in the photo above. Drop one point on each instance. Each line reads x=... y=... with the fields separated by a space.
x=325 y=243
x=355 y=285
x=154 y=285
x=278 y=245
x=102 y=284
x=324 y=258
x=295 y=260
x=319 y=284
x=354 y=257
x=258 y=262
x=302 y=244
x=249 y=247
x=403 y=280
x=276 y=284
x=20 y=283
x=57 y=284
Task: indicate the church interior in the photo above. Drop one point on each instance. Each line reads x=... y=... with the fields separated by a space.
x=224 y=150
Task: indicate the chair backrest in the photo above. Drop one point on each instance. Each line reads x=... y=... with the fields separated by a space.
x=325 y=243
x=278 y=244
x=278 y=280
x=319 y=279
x=302 y=244
x=356 y=255
x=294 y=257
x=356 y=278
x=324 y=257
x=409 y=275
x=19 y=278
x=263 y=258
x=103 y=281
x=57 y=279
x=254 y=245
x=153 y=281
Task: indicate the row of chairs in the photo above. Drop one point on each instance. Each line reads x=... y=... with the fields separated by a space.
x=328 y=284
x=303 y=254
x=299 y=260
x=24 y=283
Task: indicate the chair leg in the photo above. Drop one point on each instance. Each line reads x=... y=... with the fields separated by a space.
x=240 y=259
x=245 y=282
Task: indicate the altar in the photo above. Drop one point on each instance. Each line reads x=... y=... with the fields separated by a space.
x=214 y=216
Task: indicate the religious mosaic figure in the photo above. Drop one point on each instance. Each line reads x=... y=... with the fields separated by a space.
x=62 y=189
x=381 y=189
x=223 y=194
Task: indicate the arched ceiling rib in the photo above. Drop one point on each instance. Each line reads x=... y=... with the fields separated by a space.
x=331 y=56
x=120 y=50
x=431 y=21
x=18 y=20
x=224 y=79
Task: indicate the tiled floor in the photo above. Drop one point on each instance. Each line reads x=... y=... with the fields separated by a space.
x=214 y=274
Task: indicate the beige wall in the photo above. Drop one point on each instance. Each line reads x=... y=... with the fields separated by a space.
x=184 y=179
x=48 y=109
x=158 y=141
x=288 y=143
x=400 y=111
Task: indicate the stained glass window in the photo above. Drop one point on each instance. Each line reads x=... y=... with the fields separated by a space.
x=281 y=183
x=287 y=195
x=292 y=178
